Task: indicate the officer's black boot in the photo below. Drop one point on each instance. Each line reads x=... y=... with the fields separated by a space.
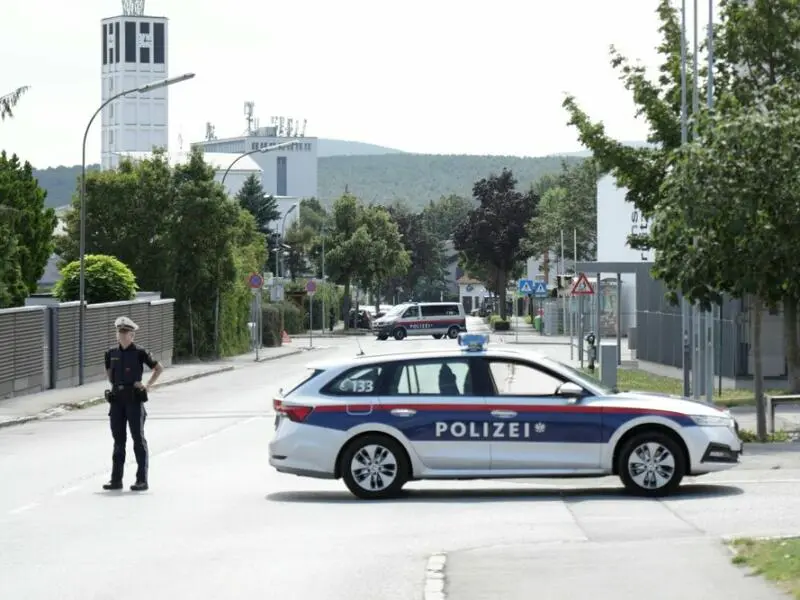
x=140 y=486
x=112 y=485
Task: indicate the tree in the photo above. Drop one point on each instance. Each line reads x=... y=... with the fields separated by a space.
x=9 y=101
x=444 y=215
x=24 y=218
x=735 y=192
x=493 y=232
x=388 y=256
x=252 y=198
x=425 y=274
x=107 y=280
x=756 y=44
x=348 y=245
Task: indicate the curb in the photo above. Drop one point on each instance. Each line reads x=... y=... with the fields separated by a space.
x=434 y=577
x=81 y=404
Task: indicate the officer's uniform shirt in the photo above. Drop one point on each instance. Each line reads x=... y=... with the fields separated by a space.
x=127 y=365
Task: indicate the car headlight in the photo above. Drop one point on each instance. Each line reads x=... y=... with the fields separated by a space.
x=712 y=421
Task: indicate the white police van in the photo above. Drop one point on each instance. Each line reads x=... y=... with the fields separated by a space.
x=422 y=318
x=475 y=413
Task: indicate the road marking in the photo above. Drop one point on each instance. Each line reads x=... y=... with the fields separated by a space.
x=434 y=577
x=22 y=509
x=68 y=490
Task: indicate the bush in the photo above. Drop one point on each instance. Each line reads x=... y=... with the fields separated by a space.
x=293 y=317
x=271 y=325
x=107 y=280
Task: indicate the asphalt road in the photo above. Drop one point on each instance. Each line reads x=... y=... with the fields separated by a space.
x=218 y=522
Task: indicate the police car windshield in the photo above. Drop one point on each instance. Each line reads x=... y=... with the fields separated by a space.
x=585 y=380
x=395 y=310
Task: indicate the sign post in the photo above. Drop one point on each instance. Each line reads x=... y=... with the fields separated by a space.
x=311 y=288
x=256 y=282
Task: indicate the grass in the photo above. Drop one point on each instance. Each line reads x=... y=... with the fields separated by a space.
x=776 y=560
x=636 y=379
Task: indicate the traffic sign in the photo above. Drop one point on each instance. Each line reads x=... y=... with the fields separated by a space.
x=525 y=286
x=540 y=289
x=582 y=287
x=255 y=281
x=311 y=286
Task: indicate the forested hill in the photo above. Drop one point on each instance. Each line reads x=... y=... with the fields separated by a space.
x=416 y=178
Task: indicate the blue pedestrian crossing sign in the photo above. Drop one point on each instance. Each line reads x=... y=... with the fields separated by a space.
x=525 y=286
x=529 y=287
x=540 y=288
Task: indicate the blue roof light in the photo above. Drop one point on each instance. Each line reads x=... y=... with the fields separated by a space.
x=473 y=342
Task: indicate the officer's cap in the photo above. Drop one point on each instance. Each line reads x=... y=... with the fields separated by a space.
x=125 y=324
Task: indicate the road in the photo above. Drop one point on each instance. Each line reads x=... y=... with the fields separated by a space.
x=219 y=523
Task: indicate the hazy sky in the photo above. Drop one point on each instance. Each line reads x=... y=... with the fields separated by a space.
x=443 y=76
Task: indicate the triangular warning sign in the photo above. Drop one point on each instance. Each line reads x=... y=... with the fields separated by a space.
x=582 y=287
x=526 y=287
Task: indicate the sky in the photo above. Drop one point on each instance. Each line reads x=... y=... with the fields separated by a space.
x=443 y=77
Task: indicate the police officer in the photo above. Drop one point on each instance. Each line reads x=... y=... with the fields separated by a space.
x=124 y=367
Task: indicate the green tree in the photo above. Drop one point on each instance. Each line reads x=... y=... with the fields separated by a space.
x=12 y=285
x=388 y=256
x=735 y=192
x=24 y=217
x=424 y=278
x=442 y=216
x=9 y=101
x=493 y=233
x=348 y=245
x=252 y=198
x=107 y=280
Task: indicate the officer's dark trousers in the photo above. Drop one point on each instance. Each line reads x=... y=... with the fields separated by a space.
x=128 y=411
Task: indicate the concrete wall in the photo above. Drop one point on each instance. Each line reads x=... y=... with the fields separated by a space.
x=39 y=344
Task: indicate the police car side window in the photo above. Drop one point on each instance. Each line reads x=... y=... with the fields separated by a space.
x=411 y=312
x=517 y=379
x=433 y=378
x=361 y=381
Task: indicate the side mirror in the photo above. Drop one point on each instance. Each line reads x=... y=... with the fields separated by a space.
x=570 y=390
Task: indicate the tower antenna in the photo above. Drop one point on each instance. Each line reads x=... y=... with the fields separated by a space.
x=133 y=8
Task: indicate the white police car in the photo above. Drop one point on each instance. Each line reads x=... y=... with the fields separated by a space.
x=475 y=413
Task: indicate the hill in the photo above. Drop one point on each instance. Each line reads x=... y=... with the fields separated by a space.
x=327 y=147
x=416 y=178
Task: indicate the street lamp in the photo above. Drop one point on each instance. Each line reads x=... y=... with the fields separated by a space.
x=82 y=284
x=263 y=150
x=283 y=228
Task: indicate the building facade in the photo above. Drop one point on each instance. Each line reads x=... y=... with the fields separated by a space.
x=290 y=171
x=134 y=53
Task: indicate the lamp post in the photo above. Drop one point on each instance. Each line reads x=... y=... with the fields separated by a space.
x=82 y=281
x=278 y=251
x=263 y=150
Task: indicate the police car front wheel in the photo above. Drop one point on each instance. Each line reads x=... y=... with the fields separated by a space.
x=651 y=464
x=374 y=467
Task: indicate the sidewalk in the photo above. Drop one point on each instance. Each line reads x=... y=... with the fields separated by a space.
x=51 y=403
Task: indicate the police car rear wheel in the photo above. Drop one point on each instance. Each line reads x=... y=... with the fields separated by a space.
x=651 y=464
x=374 y=467
x=452 y=333
x=437 y=336
x=399 y=333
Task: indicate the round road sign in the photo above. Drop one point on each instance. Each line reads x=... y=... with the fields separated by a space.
x=255 y=280
x=311 y=286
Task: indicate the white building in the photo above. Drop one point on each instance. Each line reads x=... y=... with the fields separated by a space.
x=288 y=171
x=243 y=169
x=134 y=53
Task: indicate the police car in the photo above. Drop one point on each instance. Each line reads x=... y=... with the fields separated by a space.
x=480 y=412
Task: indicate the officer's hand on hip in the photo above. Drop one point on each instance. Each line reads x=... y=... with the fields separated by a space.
x=140 y=386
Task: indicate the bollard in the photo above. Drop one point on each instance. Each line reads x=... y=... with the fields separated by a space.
x=608 y=364
x=591 y=350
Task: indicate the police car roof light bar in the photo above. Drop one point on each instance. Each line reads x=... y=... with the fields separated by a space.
x=473 y=342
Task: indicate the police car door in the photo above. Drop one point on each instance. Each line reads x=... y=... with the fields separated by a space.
x=532 y=427
x=434 y=404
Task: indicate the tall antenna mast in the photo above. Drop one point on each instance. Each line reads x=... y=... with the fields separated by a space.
x=133 y=8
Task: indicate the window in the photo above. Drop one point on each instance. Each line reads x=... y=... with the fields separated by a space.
x=130 y=42
x=116 y=43
x=517 y=379
x=361 y=381
x=105 y=44
x=158 y=43
x=411 y=313
x=281 y=176
x=440 y=310
x=440 y=377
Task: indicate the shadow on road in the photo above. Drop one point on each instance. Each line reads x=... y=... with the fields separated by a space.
x=686 y=492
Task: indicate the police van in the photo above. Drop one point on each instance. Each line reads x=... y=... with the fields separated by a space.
x=474 y=412
x=422 y=318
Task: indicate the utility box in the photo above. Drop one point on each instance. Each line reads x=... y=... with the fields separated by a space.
x=608 y=364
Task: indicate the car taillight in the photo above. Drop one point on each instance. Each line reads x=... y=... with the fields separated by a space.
x=293 y=412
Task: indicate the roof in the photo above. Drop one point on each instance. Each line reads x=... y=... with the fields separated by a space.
x=465 y=279
x=455 y=352
x=218 y=160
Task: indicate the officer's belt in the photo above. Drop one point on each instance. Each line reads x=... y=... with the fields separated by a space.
x=124 y=386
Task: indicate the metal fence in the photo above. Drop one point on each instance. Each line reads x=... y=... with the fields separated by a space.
x=39 y=344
